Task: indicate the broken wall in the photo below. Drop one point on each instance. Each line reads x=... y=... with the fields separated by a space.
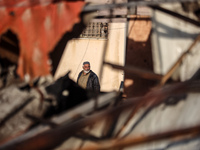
x=79 y=50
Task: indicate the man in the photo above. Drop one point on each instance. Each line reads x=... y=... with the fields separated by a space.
x=87 y=79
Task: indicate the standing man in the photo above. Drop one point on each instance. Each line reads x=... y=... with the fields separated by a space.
x=87 y=79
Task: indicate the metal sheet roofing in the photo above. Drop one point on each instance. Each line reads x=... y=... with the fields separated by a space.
x=39 y=25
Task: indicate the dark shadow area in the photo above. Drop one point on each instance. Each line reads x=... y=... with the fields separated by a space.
x=9 y=44
x=196 y=76
x=9 y=54
x=138 y=54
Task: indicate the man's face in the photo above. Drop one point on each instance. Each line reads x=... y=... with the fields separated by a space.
x=86 y=67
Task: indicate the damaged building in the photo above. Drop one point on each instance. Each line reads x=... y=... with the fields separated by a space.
x=145 y=53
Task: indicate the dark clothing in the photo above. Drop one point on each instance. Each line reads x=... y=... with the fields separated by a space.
x=93 y=81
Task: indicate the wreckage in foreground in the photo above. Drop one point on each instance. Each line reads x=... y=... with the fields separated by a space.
x=47 y=114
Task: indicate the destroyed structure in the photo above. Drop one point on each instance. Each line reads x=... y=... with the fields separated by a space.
x=145 y=52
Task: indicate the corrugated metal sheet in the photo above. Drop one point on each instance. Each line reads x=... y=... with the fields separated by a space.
x=39 y=25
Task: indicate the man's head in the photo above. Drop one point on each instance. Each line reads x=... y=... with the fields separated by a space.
x=86 y=66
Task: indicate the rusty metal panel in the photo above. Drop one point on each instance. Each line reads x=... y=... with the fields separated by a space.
x=39 y=26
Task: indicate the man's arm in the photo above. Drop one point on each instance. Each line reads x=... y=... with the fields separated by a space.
x=96 y=84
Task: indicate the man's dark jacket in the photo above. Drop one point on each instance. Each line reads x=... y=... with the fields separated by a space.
x=93 y=81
